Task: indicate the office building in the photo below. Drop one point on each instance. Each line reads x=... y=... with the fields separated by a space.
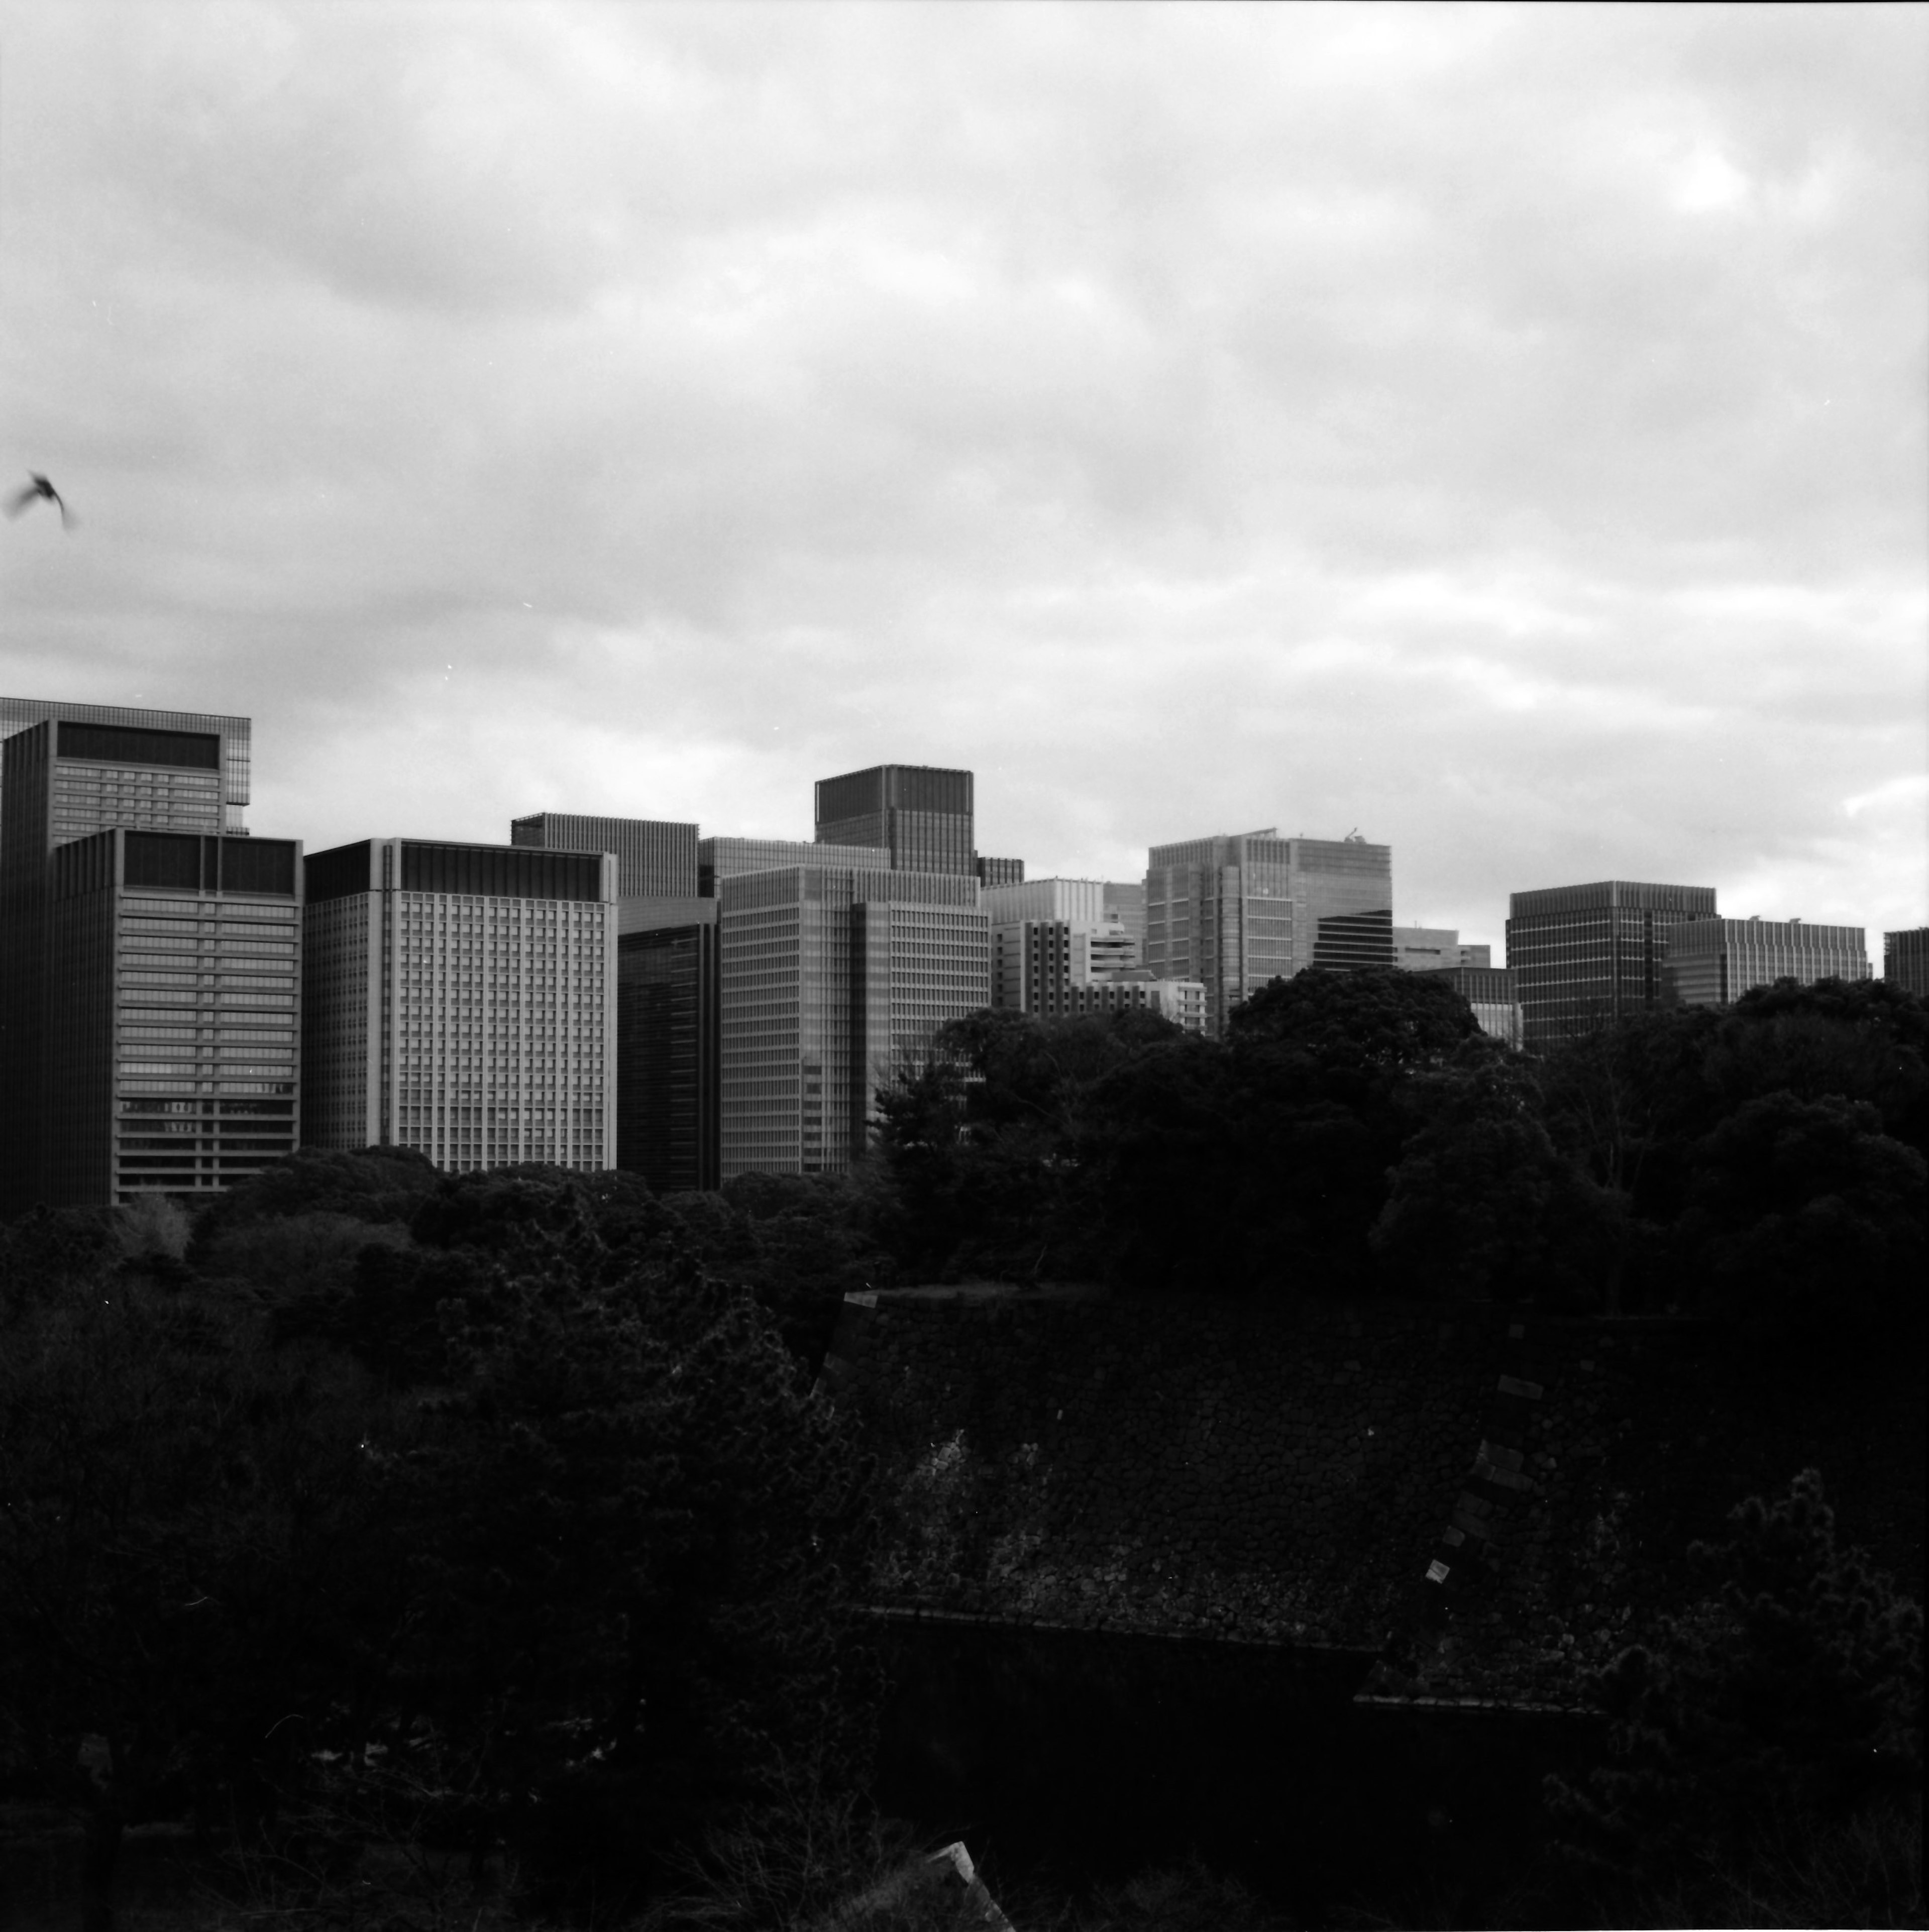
x=1181 y=1001
x=833 y=978
x=667 y=1042
x=922 y=814
x=64 y=779
x=720 y=859
x=1050 y=936
x=460 y=999
x=172 y=1014
x=1489 y=991
x=1712 y=962
x=1583 y=956
x=122 y=792
x=1000 y=872
x=1427 y=949
x=656 y=858
x=1239 y=911
x=1905 y=959
x=1125 y=905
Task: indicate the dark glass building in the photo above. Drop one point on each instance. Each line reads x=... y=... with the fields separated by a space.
x=1582 y=955
x=64 y=922
x=1905 y=959
x=921 y=814
x=656 y=858
x=1000 y=872
x=667 y=1043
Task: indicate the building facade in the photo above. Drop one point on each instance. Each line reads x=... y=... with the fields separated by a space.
x=1000 y=872
x=63 y=780
x=1583 y=956
x=1712 y=962
x=922 y=814
x=721 y=858
x=667 y=990
x=1427 y=949
x=833 y=978
x=460 y=999
x=1905 y=959
x=1240 y=910
x=656 y=858
x=1489 y=991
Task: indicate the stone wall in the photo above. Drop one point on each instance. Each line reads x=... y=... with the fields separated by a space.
x=1290 y=1474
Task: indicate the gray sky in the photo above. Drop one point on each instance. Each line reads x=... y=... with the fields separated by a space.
x=1500 y=430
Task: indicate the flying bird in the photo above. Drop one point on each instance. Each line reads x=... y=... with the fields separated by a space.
x=39 y=487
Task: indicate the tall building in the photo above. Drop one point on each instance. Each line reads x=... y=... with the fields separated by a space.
x=720 y=859
x=1053 y=939
x=1583 y=956
x=1489 y=991
x=1427 y=949
x=1712 y=962
x=1905 y=959
x=1000 y=872
x=235 y=758
x=1125 y=905
x=1240 y=910
x=460 y=999
x=832 y=978
x=667 y=1042
x=64 y=778
x=921 y=814
x=656 y=858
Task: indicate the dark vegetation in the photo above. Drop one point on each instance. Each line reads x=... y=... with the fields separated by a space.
x=425 y=1542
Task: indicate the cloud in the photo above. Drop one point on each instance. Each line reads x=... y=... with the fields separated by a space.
x=1499 y=428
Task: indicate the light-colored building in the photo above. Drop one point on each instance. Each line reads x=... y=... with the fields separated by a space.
x=461 y=1000
x=1712 y=962
x=1427 y=949
x=721 y=858
x=834 y=978
x=1905 y=959
x=1240 y=910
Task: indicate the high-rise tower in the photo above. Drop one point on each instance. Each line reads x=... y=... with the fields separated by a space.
x=656 y=857
x=921 y=814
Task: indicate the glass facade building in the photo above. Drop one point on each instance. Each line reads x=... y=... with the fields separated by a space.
x=667 y=1043
x=460 y=999
x=832 y=979
x=1905 y=959
x=1240 y=910
x=921 y=814
x=1489 y=991
x=1582 y=955
x=1712 y=962
x=656 y=858
x=235 y=760
x=721 y=858
x=1000 y=872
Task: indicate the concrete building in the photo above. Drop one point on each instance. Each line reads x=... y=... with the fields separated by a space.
x=721 y=858
x=1584 y=955
x=1427 y=949
x=1239 y=911
x=656 y=858
x=1712 y=962
x=65 y=1029
x=461 y=999
x=1905 y=959
x=1000 y=872
x=833 y=978
x=1489 y=991
x=668 y=993
x=921 y=814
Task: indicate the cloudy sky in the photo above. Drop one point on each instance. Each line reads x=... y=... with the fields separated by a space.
x=1500 y=430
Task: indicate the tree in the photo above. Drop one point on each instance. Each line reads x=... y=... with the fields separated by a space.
x=1793 y=1693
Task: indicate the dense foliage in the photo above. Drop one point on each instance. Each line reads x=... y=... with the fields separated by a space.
x=1356 y=1132
x=515 y=1510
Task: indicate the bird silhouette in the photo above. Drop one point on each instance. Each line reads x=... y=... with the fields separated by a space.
x=38 y=488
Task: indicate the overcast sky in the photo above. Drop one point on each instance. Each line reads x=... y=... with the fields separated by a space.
x=1498 y=429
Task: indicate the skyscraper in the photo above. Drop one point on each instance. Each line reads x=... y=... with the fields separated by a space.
x=667 y=1042
x=1582 y=955
x=656 y=857
x=832 y=978
x=1239 y=911
x=1712 y=962
x=234 y=735
x=1905 y=959
x=460 y=999
x=66 y=777
x=922 y=814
